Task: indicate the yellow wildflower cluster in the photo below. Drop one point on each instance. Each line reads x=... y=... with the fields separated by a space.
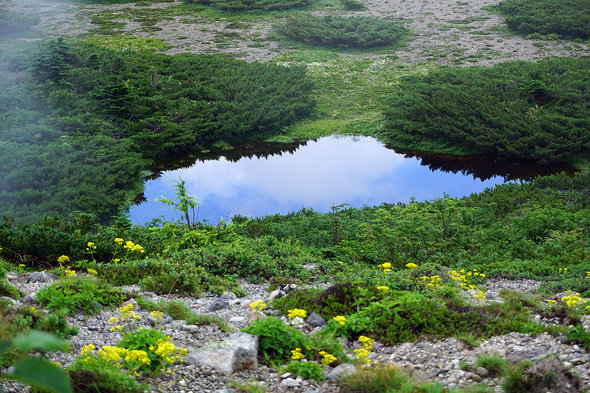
x=432 y=282
x=130 y=246
x=63 y=259
x=113 y=356
x=296 y=354
x=168 y=351
x=362 y=356
x=587 y=274
x=127 y=313
x=386 y=267
x=258 y=305
x=90 y=247
x=297 y=313
x=367 y=342
x=563 y=271
x=157 y=315
x=340 y=319
x=411 y=265
x=382 y=288
x=327 y=358
x=463 y=278
x=480 y=295
x=572 y=299
x=92 y=272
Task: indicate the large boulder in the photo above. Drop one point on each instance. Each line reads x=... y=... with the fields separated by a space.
x=237 y=352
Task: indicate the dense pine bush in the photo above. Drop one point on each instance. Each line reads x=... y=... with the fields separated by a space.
x=567 y=18
x=245 y=5
x=343 y=32
x=524 y=110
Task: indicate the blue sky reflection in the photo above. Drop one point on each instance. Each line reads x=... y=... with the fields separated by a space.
x=358 y=171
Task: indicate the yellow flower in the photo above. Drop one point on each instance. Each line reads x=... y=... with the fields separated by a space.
x=411 y=265
x=258 y=305
x=327 y=358
x=382 y=288
x=63 y=259
x=119 y=241
x=157 y=315
x=116 y=260
x=90 y=247
x=129 y=245
x=69 y=272
x=92 y=272
x=297 y=354
x=340 y=319
x=362 y=356
x=367 y=342
x=297 y=313
x=385 y=265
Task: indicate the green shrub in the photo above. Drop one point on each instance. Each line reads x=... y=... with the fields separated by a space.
x=176 y=275
x=245 y=5
x=386 y=379
x=276 y=339
x=353 y=5
x=517 y=110
x=547 y=17
x=306 y=370
x=107 y=380
x=157 y=346
x=254 y=259
x=14 y=22
x=495 y=364
x=80 y=294
x=343 y=32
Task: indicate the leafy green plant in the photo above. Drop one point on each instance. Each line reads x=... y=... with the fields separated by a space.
x=276 y=339
x=85 y=294
x=341 y=32
x=306 y=370
x=36 y=371
x=185 y=203
x=156 y=345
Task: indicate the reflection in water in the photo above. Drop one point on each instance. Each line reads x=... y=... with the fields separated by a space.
x=485 y=168
x=357 y=171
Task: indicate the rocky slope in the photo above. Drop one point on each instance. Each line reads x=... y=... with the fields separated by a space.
x=444 y=361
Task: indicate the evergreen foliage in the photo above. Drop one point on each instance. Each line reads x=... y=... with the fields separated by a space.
x=343 y=32
x=246 y=5
x=13 y=22
x=79 y=134
x=537 y=111
x=570 y=18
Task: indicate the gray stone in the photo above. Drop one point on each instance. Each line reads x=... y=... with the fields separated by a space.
x=237 y=352
x=39 y=277
x=8 y=300
x=316 y=320
x=341 y=371
x=190 y=328
x=228 y=296
x=219 y=304
x=290 y=383
x=482 y=372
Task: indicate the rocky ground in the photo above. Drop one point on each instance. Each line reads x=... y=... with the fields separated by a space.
x=442 y=361
x=443 y=31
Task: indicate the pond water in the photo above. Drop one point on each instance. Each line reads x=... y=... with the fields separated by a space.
x=316 y=174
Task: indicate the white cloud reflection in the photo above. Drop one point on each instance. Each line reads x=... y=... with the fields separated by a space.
x=359 y=171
